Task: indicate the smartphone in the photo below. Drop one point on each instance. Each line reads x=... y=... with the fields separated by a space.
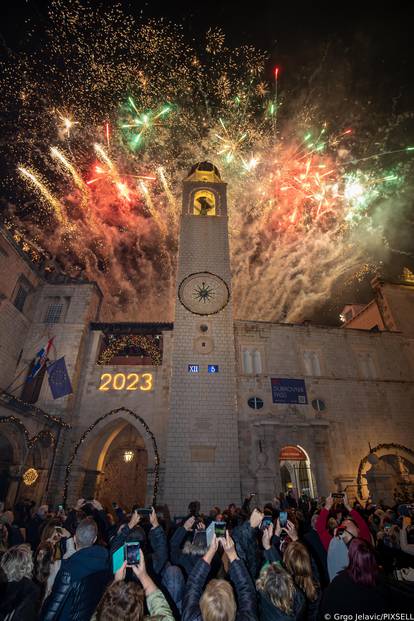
x=387 y=526
x=60 y=507
x=338 y=495
x=220 y=529
x=132 y=552
x=283 y=518
x=118 y=558
x=266 y=522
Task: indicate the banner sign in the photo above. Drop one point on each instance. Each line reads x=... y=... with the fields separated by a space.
x=289 y=391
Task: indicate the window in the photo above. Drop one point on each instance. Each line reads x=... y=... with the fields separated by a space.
x=20 y=297
x=367 y=365
x=318 y=405
x=247 y=362
x=257 y=362
x=312 y=364
x=252 y=362
x=53 y=313
x=255 y=403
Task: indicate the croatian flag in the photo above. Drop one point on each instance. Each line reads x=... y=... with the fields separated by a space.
x=40 y=359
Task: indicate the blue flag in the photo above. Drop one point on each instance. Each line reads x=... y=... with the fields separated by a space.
x=59 y=380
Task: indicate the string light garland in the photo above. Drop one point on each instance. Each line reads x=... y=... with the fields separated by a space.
x=379 y=447
x=137 y=340
x=31 y=409
x=91 y=427
x=30 y=476
x=30 y=442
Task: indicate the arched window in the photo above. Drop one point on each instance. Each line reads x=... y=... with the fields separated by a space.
x=257 y=362
x=204 y=203
x=247 y=362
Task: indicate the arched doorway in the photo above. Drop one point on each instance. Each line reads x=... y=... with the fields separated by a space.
x=123 y=473
x=110 y=462
x=389 y=473
x=295 y=471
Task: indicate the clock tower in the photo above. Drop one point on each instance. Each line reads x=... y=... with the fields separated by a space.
x=202 y=450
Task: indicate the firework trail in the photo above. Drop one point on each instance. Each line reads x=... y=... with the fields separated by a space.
x=310 y=202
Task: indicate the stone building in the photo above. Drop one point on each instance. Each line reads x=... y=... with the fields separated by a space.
x=208 y=407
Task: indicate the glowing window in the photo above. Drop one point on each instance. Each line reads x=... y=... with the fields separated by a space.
x=204 y=203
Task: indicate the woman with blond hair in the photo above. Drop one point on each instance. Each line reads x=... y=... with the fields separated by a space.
x=217 y=602
x=19 y=596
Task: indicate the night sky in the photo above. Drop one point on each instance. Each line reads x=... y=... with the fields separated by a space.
x=369 y=45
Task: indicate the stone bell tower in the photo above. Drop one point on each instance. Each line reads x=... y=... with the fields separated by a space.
x=202 y=450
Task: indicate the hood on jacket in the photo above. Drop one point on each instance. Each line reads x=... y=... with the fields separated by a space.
x=86 y=561
x=13 y=594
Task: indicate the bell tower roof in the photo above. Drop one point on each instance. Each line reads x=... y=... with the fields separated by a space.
x=204 y=171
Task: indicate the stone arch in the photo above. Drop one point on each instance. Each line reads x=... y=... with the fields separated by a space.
x=381 y=450
x=94 y=451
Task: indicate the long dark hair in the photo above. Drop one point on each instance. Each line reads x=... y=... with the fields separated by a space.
x=363 y=567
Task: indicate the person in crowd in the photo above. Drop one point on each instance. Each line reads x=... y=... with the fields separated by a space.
x=217 y=602
x=35 y=526
x=125 y=600
x=357 y=588
x=321 y=523
x=297 y=561
x=245 y=538
x=279 y=598
x=81 y=580
x=314 y=545
x=57 y=544
x=19 y=595
x=168 y=576
x=184 y=551
x=14 y=535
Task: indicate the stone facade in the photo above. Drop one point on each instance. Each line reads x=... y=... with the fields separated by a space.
x=208 y=436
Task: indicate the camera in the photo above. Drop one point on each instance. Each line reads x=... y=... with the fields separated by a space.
x=144 y=511
x=338 y=495
x=132 y=552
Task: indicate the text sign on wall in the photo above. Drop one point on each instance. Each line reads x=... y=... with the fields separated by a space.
x=193 y=368
x=126 y=381
x=289 y=391
x=213 y=368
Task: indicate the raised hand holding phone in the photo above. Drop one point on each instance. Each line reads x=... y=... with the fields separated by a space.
x=209 y=555
x=267 y=537
x=256 y=518
x=229 y=547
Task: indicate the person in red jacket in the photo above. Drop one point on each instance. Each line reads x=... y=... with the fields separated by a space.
x=354 y=524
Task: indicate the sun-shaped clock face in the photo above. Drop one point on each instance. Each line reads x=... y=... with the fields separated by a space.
x=203 y=293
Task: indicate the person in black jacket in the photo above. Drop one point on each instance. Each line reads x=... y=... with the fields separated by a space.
x=217 y=601
x=19 y=596
x=35 y=527
x=81 y=580
x=357 y=588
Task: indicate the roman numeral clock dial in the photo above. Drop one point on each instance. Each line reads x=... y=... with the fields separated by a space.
x=203 y=293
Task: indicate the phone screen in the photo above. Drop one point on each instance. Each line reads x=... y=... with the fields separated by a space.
x=266 y=522
x=118 y=558
x=283 y=518
x=220 y=529
x=132 y=553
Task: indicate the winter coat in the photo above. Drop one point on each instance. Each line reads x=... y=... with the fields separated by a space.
x=78 y=586
x=242 y=583
x=318 y=553
x=156 y=561
x=19 y=601
x=324 y=534
x=344 y=596
x=245 y=540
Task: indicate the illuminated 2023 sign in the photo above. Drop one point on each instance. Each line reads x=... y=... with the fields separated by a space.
x=126 y=381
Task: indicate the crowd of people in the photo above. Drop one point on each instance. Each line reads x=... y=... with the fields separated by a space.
x=292 y=559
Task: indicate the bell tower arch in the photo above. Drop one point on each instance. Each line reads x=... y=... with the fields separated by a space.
x=202 y=449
